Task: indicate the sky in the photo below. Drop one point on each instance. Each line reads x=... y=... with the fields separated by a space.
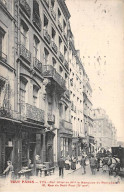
x=98 y=29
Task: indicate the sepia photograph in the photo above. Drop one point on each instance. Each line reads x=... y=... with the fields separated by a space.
x=62 y=95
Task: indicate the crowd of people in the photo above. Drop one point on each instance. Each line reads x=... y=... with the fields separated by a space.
x=105 y=163
x=97 y=162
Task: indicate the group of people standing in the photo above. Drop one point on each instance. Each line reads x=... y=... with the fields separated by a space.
x=93 y=164
x=71 y=163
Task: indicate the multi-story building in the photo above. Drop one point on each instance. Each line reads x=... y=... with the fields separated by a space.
x=103 y=129
x=76 y=96
x=34 y=61
x=87 y=111
x=8 y=122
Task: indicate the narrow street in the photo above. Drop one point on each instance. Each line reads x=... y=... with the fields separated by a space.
x=72 y=180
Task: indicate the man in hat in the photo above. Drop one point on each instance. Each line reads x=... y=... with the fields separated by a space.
x=83 y=165
x=61 y=164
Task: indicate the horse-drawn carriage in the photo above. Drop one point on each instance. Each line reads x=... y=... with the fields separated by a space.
x=118 y=153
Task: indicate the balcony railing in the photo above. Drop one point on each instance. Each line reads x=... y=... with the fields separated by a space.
x=37 y=64
x=47 y=36
x=26 y=54
x=25 y=6
x=60 y=25
x=61 y=57
x=66 y=127
x=37 y=21
x=66 y=64
x=50 y=118
x=3 y=56
x=53 y=13
x=30 y=112
x=54 y=46
x=8 y=113
x=50 y=72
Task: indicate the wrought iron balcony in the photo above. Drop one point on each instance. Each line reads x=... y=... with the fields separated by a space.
x=47 y=36
x=60 y=25
x=50 y=118
x=37 y=64
x=66 y=64
x=37 y=21
x=50 y=72
x=66 y=127
x=54 y=47
x=3 y=56
x=26 y=54
x=53 y=13
x=61 y=57
x=30 y=112
x=25 y=6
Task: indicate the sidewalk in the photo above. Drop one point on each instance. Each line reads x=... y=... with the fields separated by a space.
x=66 y=172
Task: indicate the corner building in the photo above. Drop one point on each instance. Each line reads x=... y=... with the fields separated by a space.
x=39 y=80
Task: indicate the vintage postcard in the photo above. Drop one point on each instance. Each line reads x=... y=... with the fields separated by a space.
x=61 y=95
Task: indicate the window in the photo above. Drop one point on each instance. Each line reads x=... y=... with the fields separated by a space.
x=35 y=95
x=60 y=110
x=22 y=91
x=54 y=62
x=60 y=69
x=36 y=15
x=65 y=52
x=3 y=56
x=66 y=76
x=64 y=26
x=66 y=112
x=52 y=3
x=2 y=83
x=53 y=34
x=46 y=56
x=46 y=21
x=36 y=47
x=59 y=14
x=60 y=44
x=24 y=34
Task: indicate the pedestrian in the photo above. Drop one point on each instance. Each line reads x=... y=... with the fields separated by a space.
x=73 y=163
x=9 y=170
x=98 y=163
x=93 y=164
x=67 y=162
x=83 y=164
x=61 y=164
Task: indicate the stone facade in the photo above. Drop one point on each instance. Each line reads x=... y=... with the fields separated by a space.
x=103 y=129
